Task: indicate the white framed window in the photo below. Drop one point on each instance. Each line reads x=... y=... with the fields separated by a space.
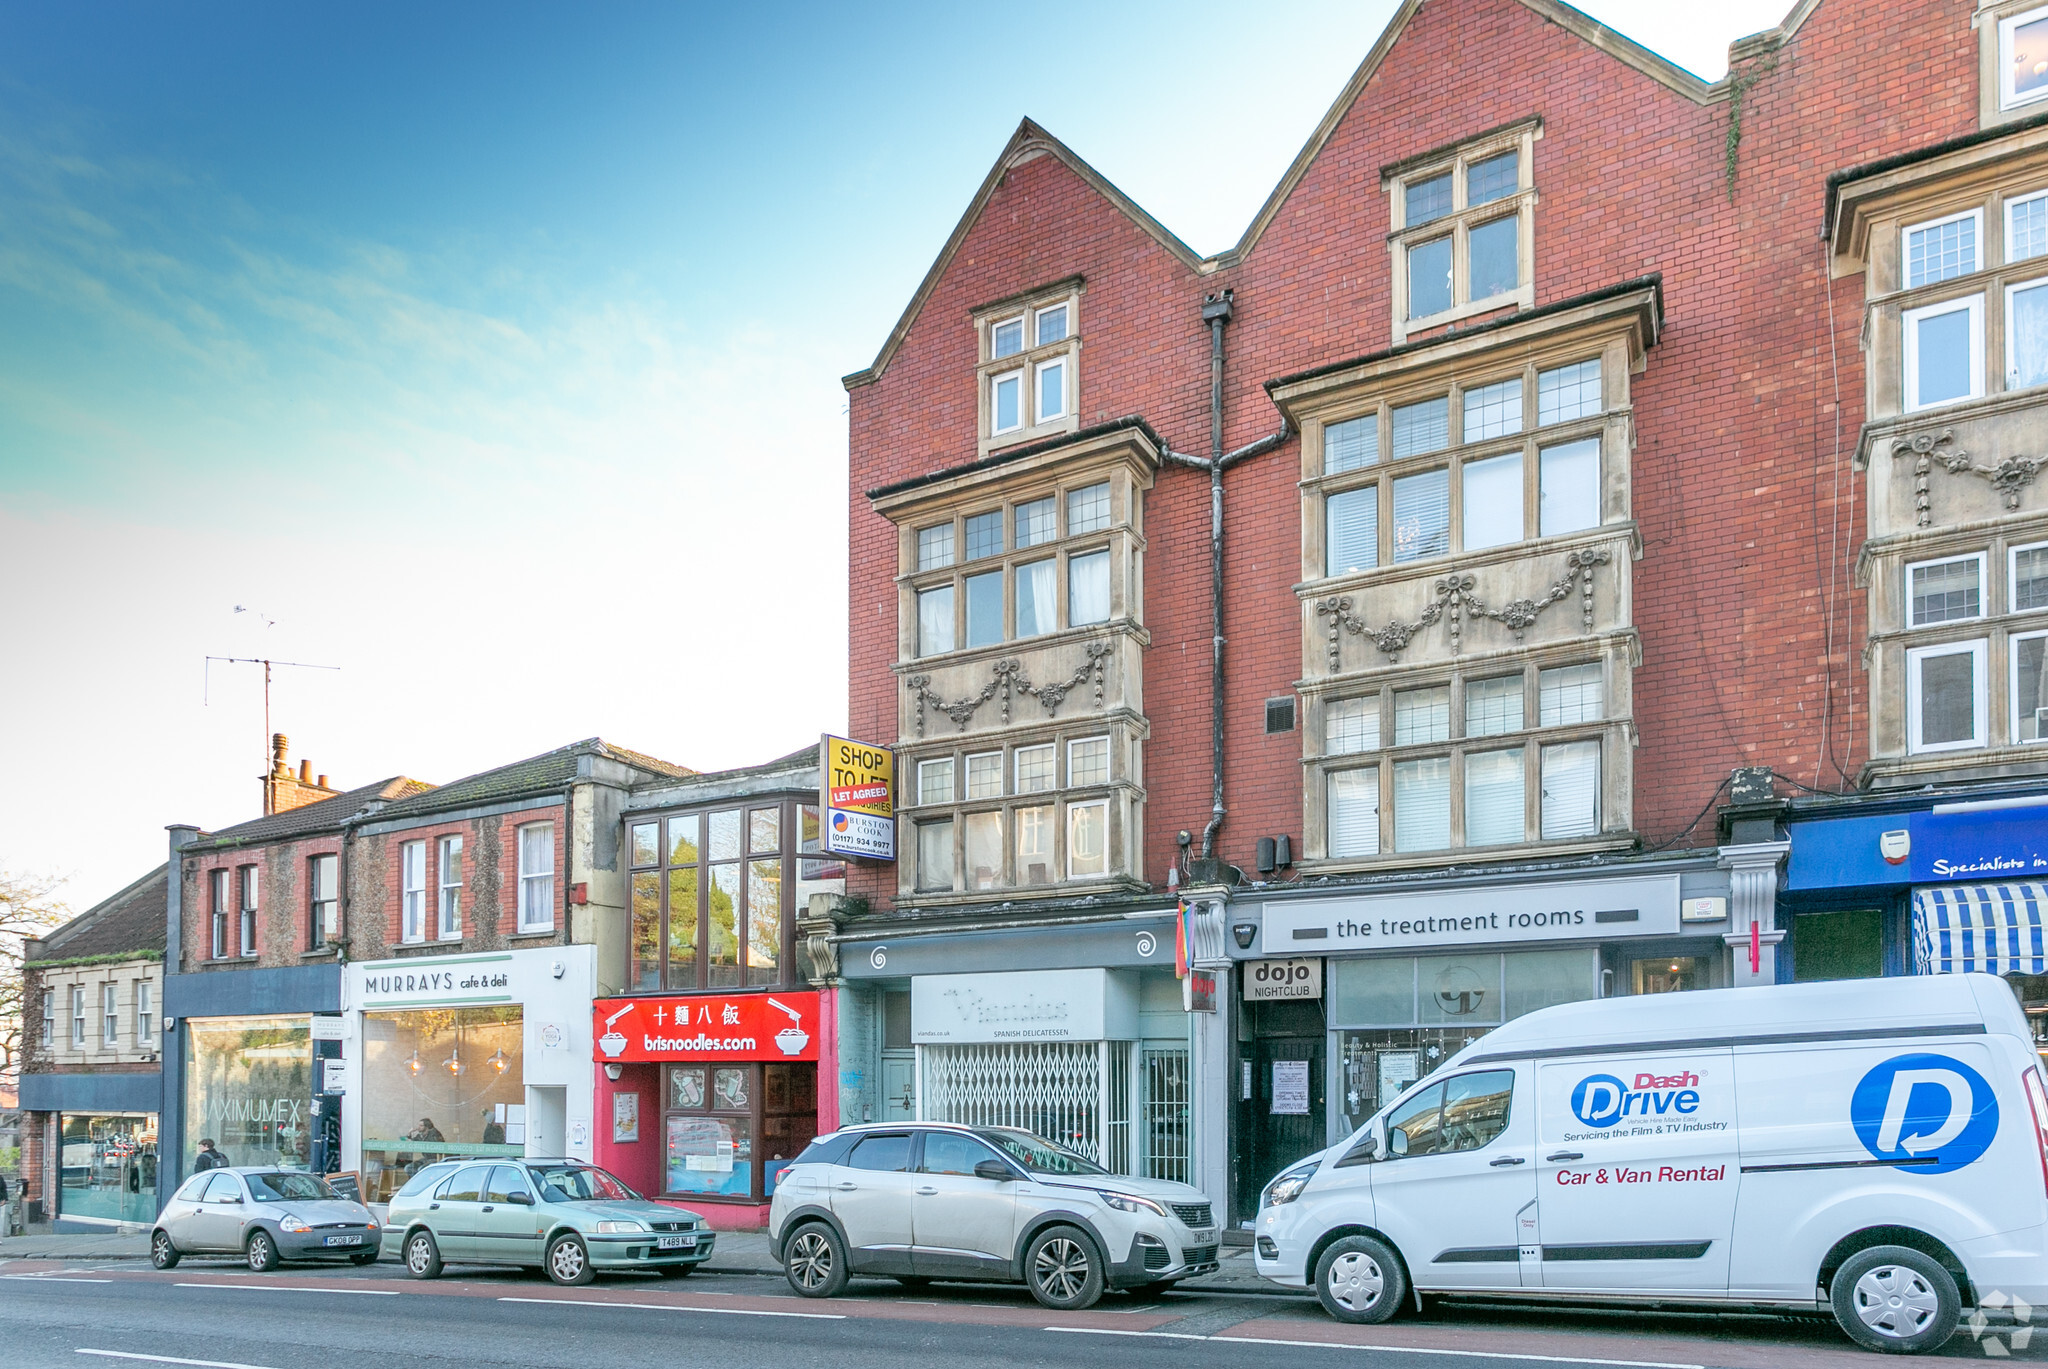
x=1494 y=799
x=1493 y=708
x=218 y=884
x=1006 y=402
x=2028 y=687
x=1422 y=515
x=49 y=1031
x=984 y=608
x=1351 y=539
x=935 y=780
x=1052 y=324
x=145 y=1013
x=1568 y=392
x=1351 y=726
x=2023 y=58
x=1570 y=694
x=935 y=855
x=1944 y=352
x=985 y=775
x=983 y=840
x=1945 y=696
x=1006 y=337
x=448 y=866
x=1941 y=249
x=110 y=1015
x=247 y=880
x=412 y=891
x=2026 y=228
x=537 y=877
x=1052 y=389
x=1493 y=410
x=78 y=1017
x=1568 y=487
x=1087 y=839
x=935 y=547
x=1035 y=769
x=1352 y=798
x=323 y=909
x=1088 y=509
x=1422 y=804
x=1422 y=715
x=2026 y=334
x=1034 y=845
x=1492 y=492
x=935 y=620
x=1087 y=762
x=1456 y=253
x=1088 y=588
x=2028 y=571
x=1571 y=790
x=1945 y=591
x=1351 y=444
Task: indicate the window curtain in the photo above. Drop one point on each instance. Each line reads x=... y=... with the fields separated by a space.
x=2029 y=360
x=1493 y=798
x=1354 y=816
x=1571 y=790
x=1422 y=515
x=1037 y=598
x=1352 y=541
x=1422 y=804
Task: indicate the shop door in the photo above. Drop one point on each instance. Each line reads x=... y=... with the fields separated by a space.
x=1283 y=1120
x=547 y=1121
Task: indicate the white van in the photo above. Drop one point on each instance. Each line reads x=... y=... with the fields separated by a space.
x=1878 y=1147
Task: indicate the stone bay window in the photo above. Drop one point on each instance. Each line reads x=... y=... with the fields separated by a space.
x=1020 y=717
x=1467 y=632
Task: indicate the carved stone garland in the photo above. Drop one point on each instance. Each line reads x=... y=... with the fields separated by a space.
x=1008 y=679
x=1455 y=601
x=2008 y=477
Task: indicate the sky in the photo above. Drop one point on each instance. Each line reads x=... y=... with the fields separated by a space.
x=491 y=354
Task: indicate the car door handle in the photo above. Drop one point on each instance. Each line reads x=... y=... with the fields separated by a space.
x=433 y=1207
x=1508 y=1160
x=927 y=1192
x=489 y=1208
x=1566 y=1155
x=848 y=1188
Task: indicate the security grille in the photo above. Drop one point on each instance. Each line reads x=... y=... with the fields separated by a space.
x=1072 y=1092
x=1165 y=1110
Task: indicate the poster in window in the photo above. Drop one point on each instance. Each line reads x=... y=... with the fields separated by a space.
x=1290 y=1088
x=1398 y=1069
x=686 y=1086
x=625 y=1117
x=729 y=1090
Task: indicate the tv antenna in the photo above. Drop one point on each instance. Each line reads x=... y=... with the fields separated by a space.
x=267 y=663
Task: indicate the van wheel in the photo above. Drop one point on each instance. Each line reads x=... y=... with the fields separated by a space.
x=1063 y=1270
x=1895 y=1299
x=815 y=1263
x=1360 y=1279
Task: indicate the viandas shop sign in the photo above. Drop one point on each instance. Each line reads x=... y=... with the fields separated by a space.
x=857 y=792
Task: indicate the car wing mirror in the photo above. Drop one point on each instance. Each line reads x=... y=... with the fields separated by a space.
x=523 y=1199
x=1397 y=1141
x=993 y=1169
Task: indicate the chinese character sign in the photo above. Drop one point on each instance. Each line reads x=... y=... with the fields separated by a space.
x=750 y=1026
x=858 y=786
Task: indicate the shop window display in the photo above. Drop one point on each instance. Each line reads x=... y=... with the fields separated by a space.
x=437 y=1083
x=727 y=1128
x=108 y=1167
x=249 y=1089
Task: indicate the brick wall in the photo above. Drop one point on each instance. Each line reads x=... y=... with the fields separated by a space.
x=1740 y=486
x=490 y=889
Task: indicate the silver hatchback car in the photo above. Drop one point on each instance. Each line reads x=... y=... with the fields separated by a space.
x=265 y=1216
x=929 y=1200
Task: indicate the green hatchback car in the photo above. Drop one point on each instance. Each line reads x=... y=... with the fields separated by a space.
x=565 y=1216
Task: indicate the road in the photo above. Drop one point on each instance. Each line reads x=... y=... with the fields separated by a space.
x=114 y=1314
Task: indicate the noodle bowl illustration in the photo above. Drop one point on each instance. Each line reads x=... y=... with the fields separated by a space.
x=612 y=1043
x=792 y=1038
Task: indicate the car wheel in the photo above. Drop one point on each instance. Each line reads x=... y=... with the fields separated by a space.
x=569 y=1260
x=1063 y=1270
x=1359 y=1279
x=1895 y=1299
x=363 y=1257
x=676 y=1271
x=162 y=1253
x=261 y=1251
x=422 y=1255
x=815 y=1261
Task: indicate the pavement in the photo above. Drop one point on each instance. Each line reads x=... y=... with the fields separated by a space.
x=737 y=1252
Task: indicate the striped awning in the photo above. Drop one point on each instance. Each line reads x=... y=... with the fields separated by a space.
x=1994 y=928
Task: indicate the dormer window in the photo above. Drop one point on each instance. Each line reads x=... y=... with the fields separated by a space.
x=1464 y=230
x=1029 y=353
x=2023 y=58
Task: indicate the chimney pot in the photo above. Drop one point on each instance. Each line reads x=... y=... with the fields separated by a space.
x=323 y=781
x=305 y=771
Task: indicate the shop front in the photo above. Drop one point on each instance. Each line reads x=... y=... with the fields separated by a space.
x=708 y=1095
x=1342 y=1002
x=464 y=1055
x=101 y=1137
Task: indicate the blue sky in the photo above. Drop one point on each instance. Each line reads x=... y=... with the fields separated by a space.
x=491 y=353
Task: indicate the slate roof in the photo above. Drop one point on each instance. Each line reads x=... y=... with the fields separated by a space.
x=324 y=816
x=537 y=776
x=132 y=920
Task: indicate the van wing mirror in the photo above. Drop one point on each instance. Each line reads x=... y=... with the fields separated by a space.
x=992 y=1169
x=1397 y=1141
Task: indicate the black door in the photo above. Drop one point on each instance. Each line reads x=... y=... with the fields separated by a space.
x=1283 y=1120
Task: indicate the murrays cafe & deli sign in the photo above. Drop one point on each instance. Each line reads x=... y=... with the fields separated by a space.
x=753 y=1026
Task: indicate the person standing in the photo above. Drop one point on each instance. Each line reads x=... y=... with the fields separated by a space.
x=208 y=1157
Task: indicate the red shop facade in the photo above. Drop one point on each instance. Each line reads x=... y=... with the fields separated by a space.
x=703 y=1097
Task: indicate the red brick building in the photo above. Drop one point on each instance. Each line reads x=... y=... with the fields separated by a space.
x=1555 y=555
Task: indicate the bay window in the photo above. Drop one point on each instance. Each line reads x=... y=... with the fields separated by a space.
x=1025 y=597
x=935 y=855
x=1493 y=500
x=1568 y=490
x=1088 y=588
x=970 y=839
x=1034 y=844
x=1087 y=840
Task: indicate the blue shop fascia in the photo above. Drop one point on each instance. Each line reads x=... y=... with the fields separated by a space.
x=1928 y=882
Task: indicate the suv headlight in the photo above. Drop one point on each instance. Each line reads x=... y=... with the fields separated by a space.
x=1288 y=1186
x=613 y=1227
x=1131 y=1202
x=289 y=1222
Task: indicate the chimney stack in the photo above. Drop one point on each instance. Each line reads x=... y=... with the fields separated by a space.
x=282 y=790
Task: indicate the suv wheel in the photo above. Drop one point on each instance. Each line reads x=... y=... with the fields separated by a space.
x=1359 y=1279
x=815 y=1261
x=422 y=1256
x=162 y=1254
x=569 y=1260
x=1895 y=1299
x=1063 y=1270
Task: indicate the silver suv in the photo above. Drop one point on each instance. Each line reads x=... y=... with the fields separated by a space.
x=931 y=1200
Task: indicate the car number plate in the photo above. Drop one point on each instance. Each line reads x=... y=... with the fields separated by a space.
x=344 y=1240
x=1205 y=1235
x=678 y=1242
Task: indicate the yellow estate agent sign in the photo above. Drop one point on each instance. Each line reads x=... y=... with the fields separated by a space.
x=859 y=790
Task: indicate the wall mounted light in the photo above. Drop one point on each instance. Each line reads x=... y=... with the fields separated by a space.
x=612 y=1071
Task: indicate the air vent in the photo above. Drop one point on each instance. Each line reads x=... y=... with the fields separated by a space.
x=1280 y=715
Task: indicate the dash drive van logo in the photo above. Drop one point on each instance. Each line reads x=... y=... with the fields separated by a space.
x=1602 y=1100
x=1931 y=1112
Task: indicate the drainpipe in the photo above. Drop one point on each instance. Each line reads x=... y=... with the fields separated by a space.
x=1216 y=310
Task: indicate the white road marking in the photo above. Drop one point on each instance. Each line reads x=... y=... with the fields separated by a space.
x=671 y=1307
x=173 y=1359
x=292 y=1288
x=52 y=1278
x=1383 y=1349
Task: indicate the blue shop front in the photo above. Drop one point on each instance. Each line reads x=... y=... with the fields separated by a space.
x=1925 y=884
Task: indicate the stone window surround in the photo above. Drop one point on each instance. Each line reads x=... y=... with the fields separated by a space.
x=1615 y=732
x=1060 y=550
x=1989 y=20
x=1394 y=181
x=988 y=366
